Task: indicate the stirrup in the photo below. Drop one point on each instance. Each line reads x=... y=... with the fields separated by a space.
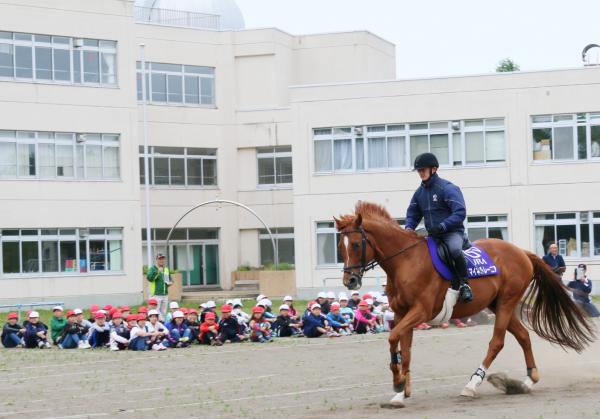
x=465 y=293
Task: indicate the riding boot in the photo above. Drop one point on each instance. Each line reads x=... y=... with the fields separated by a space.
x=464 y=289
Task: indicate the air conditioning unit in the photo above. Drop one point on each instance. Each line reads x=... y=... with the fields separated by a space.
x=358 y=130
x=77 y=43
x=80 y=138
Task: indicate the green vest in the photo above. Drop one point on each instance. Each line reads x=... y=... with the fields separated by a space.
x=158 y=286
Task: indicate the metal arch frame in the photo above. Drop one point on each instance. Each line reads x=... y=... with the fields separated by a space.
x=221 y=201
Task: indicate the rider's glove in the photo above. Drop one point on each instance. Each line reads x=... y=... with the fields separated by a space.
x=436 y=230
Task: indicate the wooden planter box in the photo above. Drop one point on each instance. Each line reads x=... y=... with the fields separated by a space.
x=175 y=290
x=277 y=283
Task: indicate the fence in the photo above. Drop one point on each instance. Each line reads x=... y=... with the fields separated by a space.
x=19 y=307
x=180 y=18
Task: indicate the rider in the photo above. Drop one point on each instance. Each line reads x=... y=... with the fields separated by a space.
x=442 y=205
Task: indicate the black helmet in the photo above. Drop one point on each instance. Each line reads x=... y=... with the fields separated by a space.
x=426 y=160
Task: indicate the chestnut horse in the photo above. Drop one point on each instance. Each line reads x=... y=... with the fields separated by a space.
x=416 y=293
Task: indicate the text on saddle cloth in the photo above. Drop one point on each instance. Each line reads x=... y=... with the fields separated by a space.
x=479 y=263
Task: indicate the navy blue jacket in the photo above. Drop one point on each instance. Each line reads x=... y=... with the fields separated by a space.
x=583 y=296
x=554 y=262
x=440 y=203
x=311 y=322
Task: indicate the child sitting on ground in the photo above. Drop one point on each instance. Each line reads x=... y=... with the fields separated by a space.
x=36 y=332
x=229 y=328
x=139 y=336
x=12 y=332
x=99 y=335
x=57 y=323
x=179 y=332
x=364 y=321
x=292 y=311
x=158 y=330
x=260 y=330
x=119 y=332
x=209 y=330
x=285 y=325
x=73 y=334
x=209 y=307
x=173 y=307
x=337 y=321
x=345 y=310
x=86 y=324
x=193 y=324
x=242 y=317
x=316 y=324
x=266 y=304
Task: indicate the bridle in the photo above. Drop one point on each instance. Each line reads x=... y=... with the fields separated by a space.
x=365 y=266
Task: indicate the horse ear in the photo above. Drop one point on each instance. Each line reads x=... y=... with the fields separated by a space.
x=337 y=223
x=358 y=220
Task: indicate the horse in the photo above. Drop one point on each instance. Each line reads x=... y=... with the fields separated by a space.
x=416 y=293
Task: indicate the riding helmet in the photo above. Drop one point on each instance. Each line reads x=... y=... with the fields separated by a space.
x=425 y=160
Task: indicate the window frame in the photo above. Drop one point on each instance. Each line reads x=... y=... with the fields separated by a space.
x=326 y=230
x=104 y=46
x=487 y=224
x=80 y=237
x=406 y=131
x=277 y=235
x=575 y=221
x=274 y=153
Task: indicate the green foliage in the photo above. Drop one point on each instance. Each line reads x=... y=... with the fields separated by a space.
x=280 y=267
x=507 y=65
x=246 y=268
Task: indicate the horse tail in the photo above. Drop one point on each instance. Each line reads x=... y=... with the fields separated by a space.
x=552 y=314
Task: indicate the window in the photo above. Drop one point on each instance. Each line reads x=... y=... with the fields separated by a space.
x=52 y=251
x=566 y=136
x=327 y=244
x=395 y=146
x=176 y=83
x=275 y=166
x=487 y=226
x=180 y=166
x=284 y=240
x=58 y=59
x=56 y=155
x=577 y=234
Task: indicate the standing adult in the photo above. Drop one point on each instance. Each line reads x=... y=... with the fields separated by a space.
x=554 y=260
x=159 y=278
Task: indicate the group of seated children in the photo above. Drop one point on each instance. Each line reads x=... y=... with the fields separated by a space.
x=117 y=328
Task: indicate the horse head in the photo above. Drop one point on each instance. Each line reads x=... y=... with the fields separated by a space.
x=356 y=249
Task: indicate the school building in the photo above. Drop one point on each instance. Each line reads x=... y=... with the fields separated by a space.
x=298 y=128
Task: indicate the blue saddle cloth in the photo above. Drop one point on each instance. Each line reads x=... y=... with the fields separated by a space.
x=479 y=263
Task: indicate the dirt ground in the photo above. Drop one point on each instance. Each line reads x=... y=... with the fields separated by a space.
x=295 y=378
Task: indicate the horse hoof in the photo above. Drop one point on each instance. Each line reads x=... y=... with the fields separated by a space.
x=398 y=400
x=398 y=388
x=467 y=392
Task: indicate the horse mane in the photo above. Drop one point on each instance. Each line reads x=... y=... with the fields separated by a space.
x=369 y=211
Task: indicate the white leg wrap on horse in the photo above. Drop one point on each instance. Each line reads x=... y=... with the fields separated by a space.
x=446 y=312
x=398 y=400
x=471 y=388
x=528 y=382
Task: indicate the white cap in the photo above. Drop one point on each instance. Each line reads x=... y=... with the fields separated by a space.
x=203 y=305
x=315 y=305
x=153 y=312
x=59 y=308
x=236 y=302
x=376 y=296
x=330 y=294
x=229 y=302
x=177 y=314
x=173 y=304
x=77 y=311
x=288 y=298
x=369 y=301
x=210 y=304
x=33 y=314
x=322 y=294
x=265 y=302
x=260 y=297
x=343 y=297
x=284 y=307
x=355 y=292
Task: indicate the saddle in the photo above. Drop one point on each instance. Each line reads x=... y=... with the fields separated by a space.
x=479 y=263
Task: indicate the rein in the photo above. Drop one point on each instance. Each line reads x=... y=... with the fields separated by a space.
x=365 y=266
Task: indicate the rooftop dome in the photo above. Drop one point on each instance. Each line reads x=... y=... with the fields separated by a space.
x=230 y=16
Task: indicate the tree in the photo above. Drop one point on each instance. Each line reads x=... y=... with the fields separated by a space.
x=507 y=65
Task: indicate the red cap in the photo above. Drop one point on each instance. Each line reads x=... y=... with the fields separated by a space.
x=131 y=317
x=13 y=316
x=71 y=313
x=113 y=310
x=310 y=303
x=100 y=315
x=363 y=303
x=367 y=295
x=143 y=309
x=125 y=308
x=153 y=301
x=225 y=308
x=184 y=310
x=258 y=309
x=192 y=311
x=141 y=316
x=210 y=316
x=335 y=306
x=107 y=307
x=94 y=308
x=117 y=315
